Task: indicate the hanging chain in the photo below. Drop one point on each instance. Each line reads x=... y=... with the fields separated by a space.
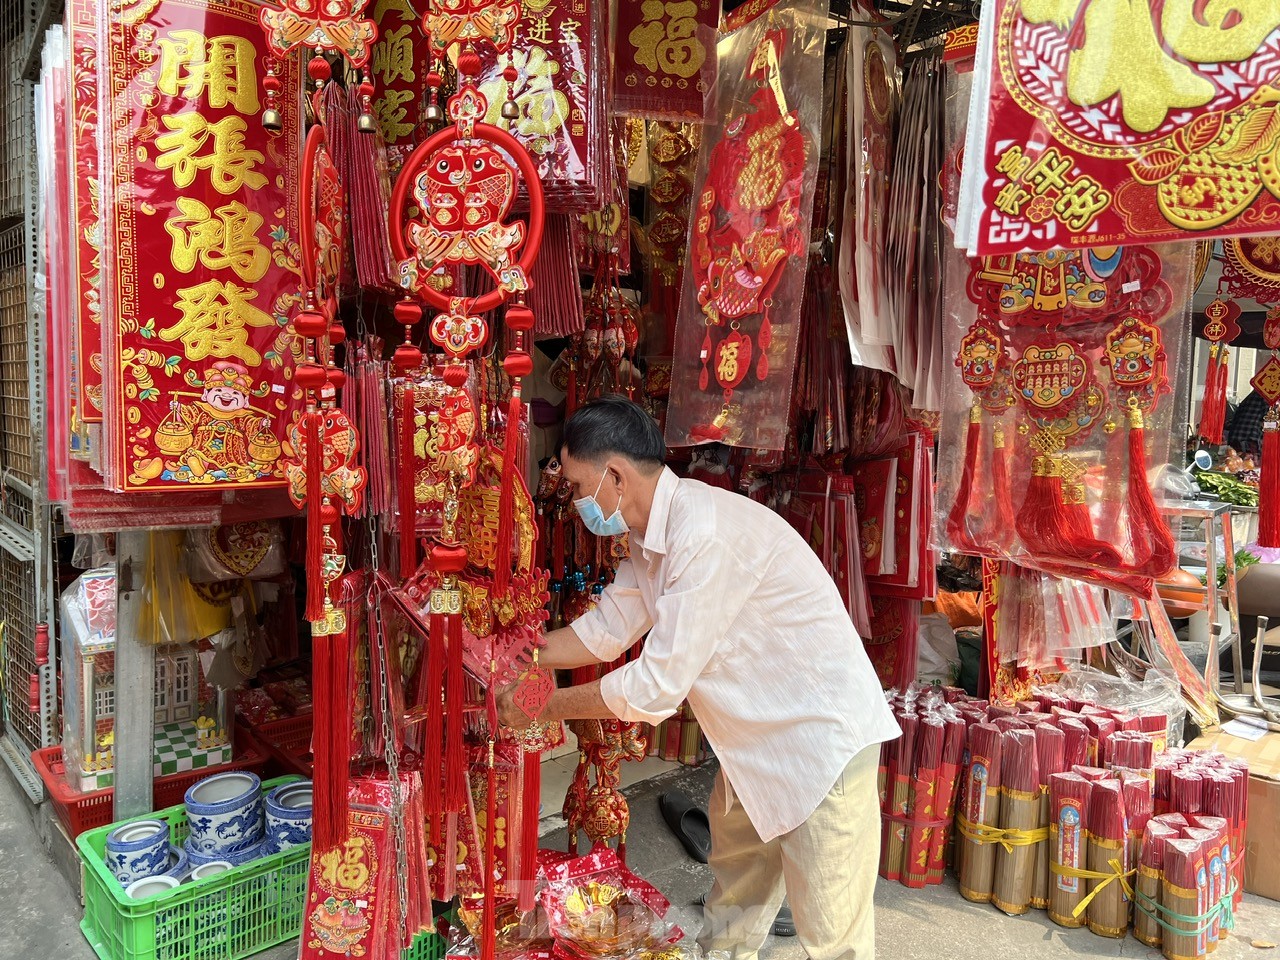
x=390 y=754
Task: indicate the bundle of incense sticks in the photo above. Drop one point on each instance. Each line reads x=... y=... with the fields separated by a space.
x=1132 y=751
x=953 y=745
x=979 y=813
x=1092 y=774
x=1225 y=795
x=1138 y=810
x=922 y=812
x=1076 y=736
x=1108 y=911
x=1217 y=855
x=898 y=785
x=1068 y=802
x=1164 y=767
x=1155 y=726
x=1015 y=856
x=1051 y=745
x=1186 y=788
x=1100 y=730
x=1206 y=838
x=1147 y=900
x=1183 y=894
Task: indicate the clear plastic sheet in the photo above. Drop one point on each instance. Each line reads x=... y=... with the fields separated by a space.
x=738 y=326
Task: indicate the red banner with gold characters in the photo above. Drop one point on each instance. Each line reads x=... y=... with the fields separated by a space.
x=399 y=65
x=1112 y=122
x=86 y=304
x=664 y=58
x=201 y=266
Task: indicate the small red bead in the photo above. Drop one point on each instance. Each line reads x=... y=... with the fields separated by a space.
x=328 y=514
x=406 y=357
x=455 y=374
x=407 y=313
x=434 y=79
x=272 y=84
x=448 y=558
x=310 y=376
x=318 y=68
x=511 y=74
x=337 y=333
x=337 y=377
x=366 y=89
x=518 y=364
x=469 y=63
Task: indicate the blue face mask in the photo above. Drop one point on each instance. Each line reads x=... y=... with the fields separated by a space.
x=593 y=516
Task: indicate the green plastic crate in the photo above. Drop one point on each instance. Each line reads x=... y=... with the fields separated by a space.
x=427 y=945
x=227 y=917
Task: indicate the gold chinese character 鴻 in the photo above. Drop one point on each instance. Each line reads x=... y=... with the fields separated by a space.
x=225 y=238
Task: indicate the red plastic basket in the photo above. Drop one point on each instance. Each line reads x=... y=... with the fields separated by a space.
x=96 y=808
x=288 y=742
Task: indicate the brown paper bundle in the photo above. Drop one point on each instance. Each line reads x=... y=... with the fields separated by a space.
x=1181 y=895
x=1050 y=759
x=1147 y=900
x=1108 y=905
x=1019 y=816
x=1217 y=863
x=979 y=813
x=1068 y=803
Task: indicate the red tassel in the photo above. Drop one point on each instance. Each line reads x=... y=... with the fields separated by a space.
x=455 y=786
x=1214 y=408
x=1269 y=492
x=331 y=679
x=513 y=440
x=488 y=943
x=315 y=525
x=408 y=504
x=1036 y=522
x=1154 y=552
x=1080 y=544
x=1001 y=494
x=433 y=752
x=957 y=519
x=530 y=802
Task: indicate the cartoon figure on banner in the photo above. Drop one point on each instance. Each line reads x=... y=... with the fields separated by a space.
x=219 y=436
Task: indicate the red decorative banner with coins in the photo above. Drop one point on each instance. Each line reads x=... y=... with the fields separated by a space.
x=200 y=250
x=1113 y=122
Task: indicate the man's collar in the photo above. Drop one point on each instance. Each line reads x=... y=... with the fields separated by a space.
x=654 y=540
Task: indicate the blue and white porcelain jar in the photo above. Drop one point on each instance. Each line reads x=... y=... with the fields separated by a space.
x=225 y=815
x=289 y=816
x=138 y=850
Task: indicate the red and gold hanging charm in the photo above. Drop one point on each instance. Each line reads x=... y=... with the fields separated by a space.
x=1267 y=382
x=1220 y=329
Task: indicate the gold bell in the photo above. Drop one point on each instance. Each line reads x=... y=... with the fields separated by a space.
x=271 y=119
x=510 y=111
x=433 y=112
x=366 y=123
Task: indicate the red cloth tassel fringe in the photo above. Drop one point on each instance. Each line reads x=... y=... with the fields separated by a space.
x=1213 y=410
x=1154 y=552
x=958 y=518
x=315 y=524
x=529 y=806
x=1269 y=491
x=455 y=785
x=330 y=737
x=433 y=751
x=408 y=503
x=1002 y=496
x=510 y=467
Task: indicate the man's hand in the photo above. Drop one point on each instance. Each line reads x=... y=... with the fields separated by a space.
x=509 y=715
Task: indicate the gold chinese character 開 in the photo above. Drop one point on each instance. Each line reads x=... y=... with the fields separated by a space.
x=220 y=68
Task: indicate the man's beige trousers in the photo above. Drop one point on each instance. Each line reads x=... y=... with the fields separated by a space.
x=826 y=868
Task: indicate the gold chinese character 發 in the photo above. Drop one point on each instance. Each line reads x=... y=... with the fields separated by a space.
x=229 y=164
x=667 y=41
x=220 y=68
x=216 y=318
x=393 y=56
x=225 y=238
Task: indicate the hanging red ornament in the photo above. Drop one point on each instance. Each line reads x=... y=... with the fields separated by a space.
x=1220 y=329
x=1267 y=382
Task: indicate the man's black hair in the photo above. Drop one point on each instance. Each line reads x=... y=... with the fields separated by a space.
x=614 y=426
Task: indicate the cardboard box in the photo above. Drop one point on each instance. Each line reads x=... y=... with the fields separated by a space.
x=1262 y=837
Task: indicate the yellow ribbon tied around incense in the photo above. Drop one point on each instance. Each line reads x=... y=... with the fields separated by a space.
x=983 y=834
x=1118 y=872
